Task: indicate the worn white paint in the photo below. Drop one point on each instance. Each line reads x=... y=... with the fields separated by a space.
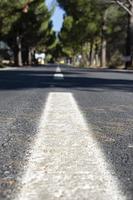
x=58 y=70
x=66 y=161
x=58 y=76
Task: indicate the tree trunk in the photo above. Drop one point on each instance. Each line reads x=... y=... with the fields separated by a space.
x=19 y=51
x=29 y=56
x=129 y=40
x=91 y=53
x=97 y=55
x=104 y=41
x=15 y=53
x=103 y=52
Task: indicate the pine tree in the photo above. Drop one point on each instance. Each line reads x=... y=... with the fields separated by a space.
x=87 y=26
x=25 y=26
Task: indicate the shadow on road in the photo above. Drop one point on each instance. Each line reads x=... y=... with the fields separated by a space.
x=18 y=79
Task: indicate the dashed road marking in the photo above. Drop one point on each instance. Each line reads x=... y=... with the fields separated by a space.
x=58 y=76
x=58 y=69
x=66 y=161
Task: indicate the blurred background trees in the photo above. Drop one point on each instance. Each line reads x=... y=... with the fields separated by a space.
x=94 y=32
x=26 y=27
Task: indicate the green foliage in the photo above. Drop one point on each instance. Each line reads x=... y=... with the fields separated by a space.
x=81 y=24
x=10 y=11
x=89 y=21
x=116 y=59
x=34 y=27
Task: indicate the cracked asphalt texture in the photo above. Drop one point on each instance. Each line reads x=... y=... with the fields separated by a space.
x=105 y=97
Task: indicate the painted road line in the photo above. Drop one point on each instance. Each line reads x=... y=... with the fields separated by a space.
x=8 y=68
x=58 y=76
x=66 y=161
x=58 y=70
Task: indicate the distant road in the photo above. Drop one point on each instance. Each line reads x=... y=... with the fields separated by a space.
x=66 y=133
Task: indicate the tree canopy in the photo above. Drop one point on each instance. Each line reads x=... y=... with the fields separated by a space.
x=26 y=26
x=94 y=32
x=97 y=29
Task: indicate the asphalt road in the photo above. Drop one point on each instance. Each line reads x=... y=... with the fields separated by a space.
x=105 y=98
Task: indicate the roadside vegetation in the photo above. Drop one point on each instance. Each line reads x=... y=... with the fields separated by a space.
x=95 y=33
x=98 y=32
x=26 y=27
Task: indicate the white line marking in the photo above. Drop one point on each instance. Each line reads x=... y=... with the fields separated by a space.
x=66 y=161
x=8 y=68
x=130 y=145
x=58 y=76
x=58 y=69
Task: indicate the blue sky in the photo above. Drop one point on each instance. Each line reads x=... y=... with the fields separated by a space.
x=57 y=17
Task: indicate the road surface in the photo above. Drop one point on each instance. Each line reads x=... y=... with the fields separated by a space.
x=66 y=133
